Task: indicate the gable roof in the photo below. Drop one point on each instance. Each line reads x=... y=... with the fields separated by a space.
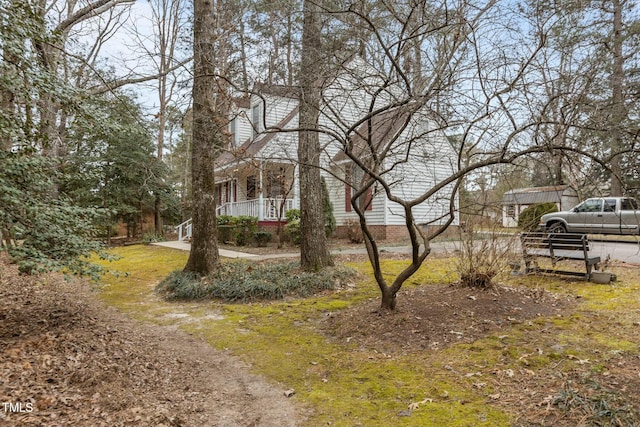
x=252 y=146
x=384 y=128
x=241 y=101
x=284 y=91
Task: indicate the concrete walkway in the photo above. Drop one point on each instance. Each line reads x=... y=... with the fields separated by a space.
x=184 y=246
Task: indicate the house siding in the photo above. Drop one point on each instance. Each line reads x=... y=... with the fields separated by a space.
x=243 y=126
x=430 y=159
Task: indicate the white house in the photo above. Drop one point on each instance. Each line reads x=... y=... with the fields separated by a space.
x=258 y=175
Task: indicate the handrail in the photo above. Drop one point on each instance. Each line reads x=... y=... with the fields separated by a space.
x=185 y=230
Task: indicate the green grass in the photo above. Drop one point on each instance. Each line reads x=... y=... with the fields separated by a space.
x=344 y=385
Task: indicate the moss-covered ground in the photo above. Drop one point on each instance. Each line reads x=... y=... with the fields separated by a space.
x=487 y=382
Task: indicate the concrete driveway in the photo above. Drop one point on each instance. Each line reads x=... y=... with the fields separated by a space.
x=621 y=251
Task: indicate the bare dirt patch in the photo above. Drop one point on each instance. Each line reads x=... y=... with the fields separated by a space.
x=434 y=317
x=66 y=359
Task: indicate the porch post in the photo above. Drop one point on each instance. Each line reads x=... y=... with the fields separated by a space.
x=296 y=188
x=260 y=195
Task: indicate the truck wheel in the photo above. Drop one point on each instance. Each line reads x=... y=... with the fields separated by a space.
x=557 y=227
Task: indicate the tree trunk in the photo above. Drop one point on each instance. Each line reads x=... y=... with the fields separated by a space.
x=157 y=215
x=388 y=301
x=314 y=254
x=207 y=141
x=618 y=109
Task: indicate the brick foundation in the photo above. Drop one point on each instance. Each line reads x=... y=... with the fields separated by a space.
x=390 y=233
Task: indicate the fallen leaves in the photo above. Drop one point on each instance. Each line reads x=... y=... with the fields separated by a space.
x=413 y=406
x=76 y=362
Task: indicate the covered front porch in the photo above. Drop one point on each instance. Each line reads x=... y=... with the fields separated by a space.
x=264 y=189
x=264 y=208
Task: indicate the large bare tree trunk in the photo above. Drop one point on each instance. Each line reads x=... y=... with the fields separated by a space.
x=314 y=253
x=207 y=141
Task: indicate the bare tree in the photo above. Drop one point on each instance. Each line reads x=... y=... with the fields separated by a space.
x=168 y=17
x=600 y=42
x=618 y=109
x=54 y=52
x=276 y=23
x=467 y=76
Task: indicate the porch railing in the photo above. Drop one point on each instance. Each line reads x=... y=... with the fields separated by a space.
x=268 y=210
x=272 y=208
x=185 y=230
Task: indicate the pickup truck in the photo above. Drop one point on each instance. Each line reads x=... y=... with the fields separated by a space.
x=607 y=215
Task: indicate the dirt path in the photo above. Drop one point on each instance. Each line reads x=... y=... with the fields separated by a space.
x=66 y=359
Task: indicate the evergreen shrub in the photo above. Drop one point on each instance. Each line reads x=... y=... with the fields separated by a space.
x=245 y=282
x=530 y=217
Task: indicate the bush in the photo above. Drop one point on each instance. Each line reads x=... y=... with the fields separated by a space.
x=226 y=220
x=181 y=285
x=262 y=238
x=149 y=238
x=530 y=217
x=292 y=215
x=481 y=259
x=104 y=231
x=243 y=282
x=225 y=226
x=225 y=233
x=327 y=210
x=354 y=232
x=292 y=230
x=244 y=229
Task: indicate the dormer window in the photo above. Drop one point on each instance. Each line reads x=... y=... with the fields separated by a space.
x=256 y=119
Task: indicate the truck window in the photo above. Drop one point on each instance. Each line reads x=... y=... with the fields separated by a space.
x=590 y=206
x=609 y=205
x=628 y=205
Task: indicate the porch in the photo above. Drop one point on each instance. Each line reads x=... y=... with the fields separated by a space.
x=265 y=209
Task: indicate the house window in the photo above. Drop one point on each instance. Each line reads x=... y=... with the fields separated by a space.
x=252 y=185
x=511 y=211
x=256 y=119
x=354 y=179
x=233 y=130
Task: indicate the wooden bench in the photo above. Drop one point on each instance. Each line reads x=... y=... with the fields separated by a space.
x=557 y=247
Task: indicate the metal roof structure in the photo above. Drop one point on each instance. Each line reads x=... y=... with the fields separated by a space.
x=533 y=195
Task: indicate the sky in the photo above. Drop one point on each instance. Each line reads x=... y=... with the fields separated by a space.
x=125 y=51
